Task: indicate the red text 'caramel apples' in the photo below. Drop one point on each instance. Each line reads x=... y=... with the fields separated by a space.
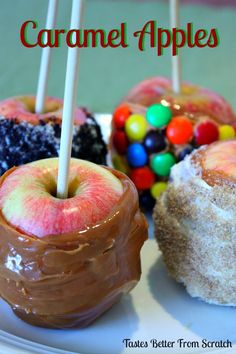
x=66 y=261
x=195 y=223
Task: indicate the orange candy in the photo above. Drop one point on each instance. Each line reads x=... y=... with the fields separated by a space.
x=179 y=130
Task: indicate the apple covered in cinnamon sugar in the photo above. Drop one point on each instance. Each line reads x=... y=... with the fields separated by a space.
x=65 y=261
x=195 y=223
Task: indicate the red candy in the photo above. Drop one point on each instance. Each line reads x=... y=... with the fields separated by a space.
x=120 y=142
x=142 y=177
x=121 y=114
x=179 y=130
x=206 y=133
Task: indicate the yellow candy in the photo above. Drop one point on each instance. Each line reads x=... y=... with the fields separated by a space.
x=120 y=164
x=226 y=132
x=158 y=188
x=136 y=127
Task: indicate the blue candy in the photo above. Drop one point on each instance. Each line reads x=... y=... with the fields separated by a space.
x=136 y=155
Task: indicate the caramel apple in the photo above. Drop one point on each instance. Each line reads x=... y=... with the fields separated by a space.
x=27 y=136
x=192 y=99
x=66 y=261
x=195 y=223
x=153 y=128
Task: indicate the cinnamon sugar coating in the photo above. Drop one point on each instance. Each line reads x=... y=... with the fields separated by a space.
x=195 y=227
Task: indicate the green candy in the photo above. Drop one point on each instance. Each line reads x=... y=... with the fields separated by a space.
x=158 y=115
x=162 y=163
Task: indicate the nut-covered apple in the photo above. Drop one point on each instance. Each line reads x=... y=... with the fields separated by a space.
x=65 y=261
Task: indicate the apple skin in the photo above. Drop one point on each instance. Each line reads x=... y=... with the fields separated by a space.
x=22 y=108
x=217 y=162
x=192 y=99
x=221 y=158
x=28 y=202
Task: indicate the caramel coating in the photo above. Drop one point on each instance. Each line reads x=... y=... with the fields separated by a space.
x=194 y=101
x=68 y=280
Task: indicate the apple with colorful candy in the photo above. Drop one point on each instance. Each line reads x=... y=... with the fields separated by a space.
x=66 y=261
x=153 y=128
x=192 y=99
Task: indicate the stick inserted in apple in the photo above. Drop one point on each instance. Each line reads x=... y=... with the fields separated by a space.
x=66 y=261
x=30 y=126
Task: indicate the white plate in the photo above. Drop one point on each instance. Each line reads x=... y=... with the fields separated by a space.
x=157 y=308
x=104 y=119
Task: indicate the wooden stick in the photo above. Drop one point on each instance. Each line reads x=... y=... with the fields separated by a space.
x=45 y=60
x=176 y=61
x=70 y=95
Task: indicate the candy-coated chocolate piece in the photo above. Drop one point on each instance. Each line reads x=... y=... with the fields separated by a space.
x=184 y=152
x=158 y=115
x=179 y=130
x=158 y=188
x=162 y=163
x=146 y=201
x=142 y=177
x=120 y=141
x=154 y=142
x=206 y=133
x=120 y=115
x=226 y=132
x=136 y=127
x=136 y=155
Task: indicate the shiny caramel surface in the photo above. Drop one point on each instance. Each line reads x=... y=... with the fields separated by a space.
x=70 y=279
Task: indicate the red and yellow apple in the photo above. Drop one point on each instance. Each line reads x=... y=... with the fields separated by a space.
x=193 y=100
x=28 y=202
